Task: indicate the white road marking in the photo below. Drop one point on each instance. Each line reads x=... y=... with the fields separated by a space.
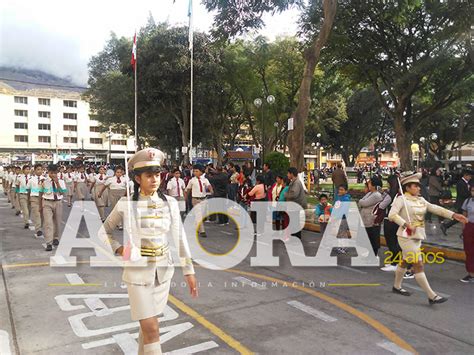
x=194 y=349
x=5 y=343
x=421 y=290
x=312 y=311
x=126 y=342
x=246 y=281
x=393 y=348
x=97 y=306
x=228 y=233
x=352 y=269
x=74 y=279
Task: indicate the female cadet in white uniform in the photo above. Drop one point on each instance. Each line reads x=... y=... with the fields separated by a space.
x=159 y=220
x=97 y=183
x=80 y=184
x=408 y=211
x=69 y=180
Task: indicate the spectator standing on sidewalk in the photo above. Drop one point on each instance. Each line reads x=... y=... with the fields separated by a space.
x=435 y=188
x=339 y=178
x=468 y=237
x=463 y=187
x=366 y=205
x=296 y=192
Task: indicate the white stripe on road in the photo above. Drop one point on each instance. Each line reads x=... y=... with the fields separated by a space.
x=74 y=279
x=5 y=343
x=312 y=311
x=393 y=348
x=246 y=281
x=194 y=349
x=127 y=343
x=97 y=306
x=352 y=269
x=421 y=290
x=228 y=233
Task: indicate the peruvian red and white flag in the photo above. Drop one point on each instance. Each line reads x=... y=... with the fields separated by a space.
x=133 y=61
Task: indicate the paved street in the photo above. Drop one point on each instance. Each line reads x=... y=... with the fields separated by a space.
x=280 y=310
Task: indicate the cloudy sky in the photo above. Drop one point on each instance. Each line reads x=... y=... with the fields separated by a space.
x=60 y=36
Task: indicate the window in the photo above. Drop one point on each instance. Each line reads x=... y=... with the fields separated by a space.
x=44 y=139
x=68 y=127
x=94 y=128
x=70 y=116
x=44 y=126
x=70 y=103
x=122 y=131
x=21 y=138
x=44 y=114
x=21 y=113
x=21 y=125
x=96 y=140
x=45 y=102
x=21 y=100
x=70 y=139
x=119 y=142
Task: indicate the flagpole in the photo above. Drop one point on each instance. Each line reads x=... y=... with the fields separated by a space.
x=191 y=48
x=136 y=121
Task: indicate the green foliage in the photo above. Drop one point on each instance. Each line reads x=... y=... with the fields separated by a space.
x=278 y=162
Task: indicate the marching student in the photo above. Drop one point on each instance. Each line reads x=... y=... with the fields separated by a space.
x=98 y=182
x=52 y=191
x=199 y=187
x=117 y=186
x=14 y=190
x=80 y=184
x=23 y=194
x=148 y=287
x=34 y=188
x=408 y=211
x=175 y=188
x=69 y=181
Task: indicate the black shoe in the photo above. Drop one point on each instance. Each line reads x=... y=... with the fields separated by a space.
x=39 y=234
x=437 y=299
x=443 y=229
x=408 y=275
x=203 y=235
x=49 y=247
x=467 y=279
x=401 y=291
x=55 y=242
x=27 y=226
x=17 y=213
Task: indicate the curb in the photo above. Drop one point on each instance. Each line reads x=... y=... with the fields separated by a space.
x=451 y=254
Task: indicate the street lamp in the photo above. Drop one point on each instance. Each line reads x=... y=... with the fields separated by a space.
x=109 y=136
x=258 y=102
x=276 y=134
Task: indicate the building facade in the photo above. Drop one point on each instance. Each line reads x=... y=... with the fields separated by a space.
x=49 y=124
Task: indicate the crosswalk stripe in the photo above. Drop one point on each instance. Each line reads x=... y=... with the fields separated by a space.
x=312 y=311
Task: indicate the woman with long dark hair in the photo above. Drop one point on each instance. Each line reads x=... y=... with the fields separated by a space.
x=152 y=222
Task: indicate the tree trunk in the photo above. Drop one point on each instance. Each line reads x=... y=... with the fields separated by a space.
x=403 y=138
x=312 y=54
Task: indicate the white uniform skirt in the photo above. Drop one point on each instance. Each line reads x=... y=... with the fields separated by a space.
x=69 y=188
x=115 y=196
x=81 y=190
x=99 y=201
x=147 y=301
x=411 y=249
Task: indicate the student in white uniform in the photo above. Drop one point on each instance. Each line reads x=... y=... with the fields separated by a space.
x=34 y=188
x=80 y=184
x=15 y=189
x=23 y=194
x=117 y=188
x=69 y=180
x=98 y=182
x=52 y=191
x=199 y=187
x=175 y=188
x=148 y=287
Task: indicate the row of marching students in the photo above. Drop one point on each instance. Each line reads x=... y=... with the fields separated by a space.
x=37 y=194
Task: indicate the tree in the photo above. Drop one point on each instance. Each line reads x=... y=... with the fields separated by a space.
x=415 y=54
x=233 y=18
x=363 y=124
